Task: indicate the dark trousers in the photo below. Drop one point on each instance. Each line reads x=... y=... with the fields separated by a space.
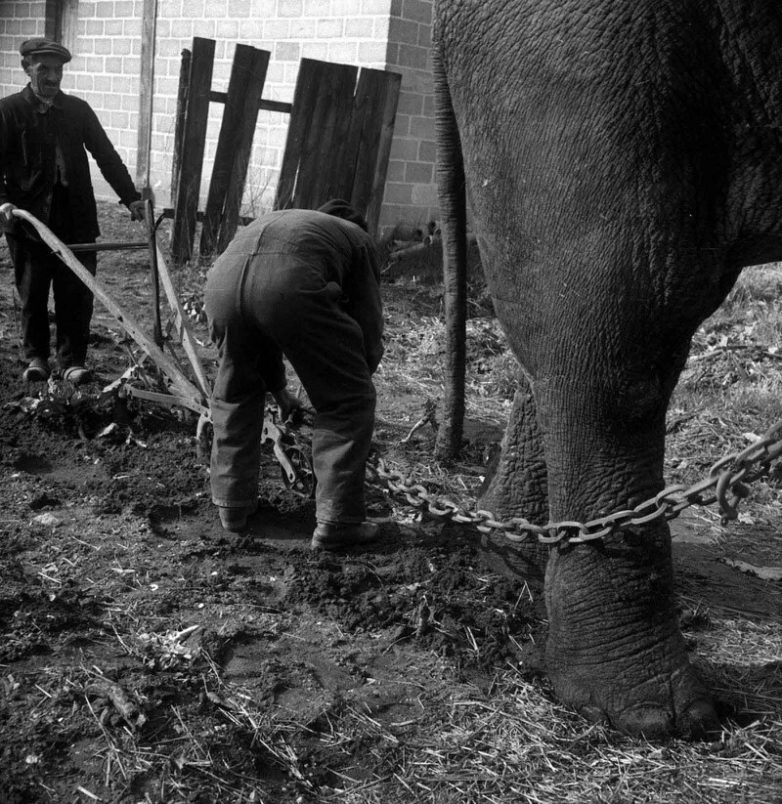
x=37 y=271
x=258 y=307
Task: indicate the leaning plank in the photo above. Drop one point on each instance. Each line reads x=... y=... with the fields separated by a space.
x=372 y=131
x=238 y=85
x=321 y=164
x=190 y=396
x=301 y=117
x=192 y=153
x=242 y=149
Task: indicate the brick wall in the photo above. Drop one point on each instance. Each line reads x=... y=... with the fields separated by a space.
x=385 y=34
x=410 y=195
x=18 y=21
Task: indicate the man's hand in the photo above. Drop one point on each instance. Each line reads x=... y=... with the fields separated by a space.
x=289 y=405
x=7 y=220
x=136 y=210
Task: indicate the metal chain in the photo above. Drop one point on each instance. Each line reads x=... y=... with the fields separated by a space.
x=730 y=474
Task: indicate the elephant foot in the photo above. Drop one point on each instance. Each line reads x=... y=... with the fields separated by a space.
x=655 y=694
x=614 y=650
x=697 y=721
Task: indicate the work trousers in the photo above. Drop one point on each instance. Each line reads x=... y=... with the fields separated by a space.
x=259 y=306
x=36 y=271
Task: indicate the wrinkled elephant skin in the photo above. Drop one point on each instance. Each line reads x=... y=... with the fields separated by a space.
x=622 y=163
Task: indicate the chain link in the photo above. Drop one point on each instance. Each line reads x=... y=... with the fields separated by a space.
x=726 y=484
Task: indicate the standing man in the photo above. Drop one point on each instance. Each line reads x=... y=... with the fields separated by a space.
x=44 y=170
x=303 y=283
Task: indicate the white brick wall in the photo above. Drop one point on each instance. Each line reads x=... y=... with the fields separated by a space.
x=385 y=34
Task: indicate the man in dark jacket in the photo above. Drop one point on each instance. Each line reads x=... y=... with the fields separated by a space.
x=44 y=170
x=305 y=284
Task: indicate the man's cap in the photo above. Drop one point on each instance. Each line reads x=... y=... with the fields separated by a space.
x=342 y=209
x=44 y=47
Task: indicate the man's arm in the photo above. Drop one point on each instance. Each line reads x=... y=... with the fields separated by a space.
x=364 y=304
x=110 y=163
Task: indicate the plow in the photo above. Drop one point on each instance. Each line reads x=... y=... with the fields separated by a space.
x=160 y=376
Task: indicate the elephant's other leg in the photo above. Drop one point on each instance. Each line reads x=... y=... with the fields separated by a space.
x=518 y=489
x=614 y=649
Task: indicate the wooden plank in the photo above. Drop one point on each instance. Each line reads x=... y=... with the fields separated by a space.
x=179 y=123
x=191 y=156
x=185 y=334
x=301 y=115
x=377 y=97
x=243 y=148
x=264 y=105
x=52 y=21
x=339 y=139
x=321 y=163
x=168 y=213
x=222 y=166
x=146 y=94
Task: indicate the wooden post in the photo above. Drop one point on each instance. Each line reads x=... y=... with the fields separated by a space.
x=191 y=150
x=52 y=25
x=146 y=96
x=179 y=122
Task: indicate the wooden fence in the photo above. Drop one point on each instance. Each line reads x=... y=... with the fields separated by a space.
x=338 y=144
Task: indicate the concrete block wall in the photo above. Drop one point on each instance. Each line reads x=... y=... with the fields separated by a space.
x=411 y=193
x=383 y=34
x=18 y=21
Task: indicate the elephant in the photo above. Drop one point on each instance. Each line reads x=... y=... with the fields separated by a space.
x=623 y=163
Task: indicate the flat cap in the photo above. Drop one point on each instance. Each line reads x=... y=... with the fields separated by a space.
x=341 y=209
x=44 y=47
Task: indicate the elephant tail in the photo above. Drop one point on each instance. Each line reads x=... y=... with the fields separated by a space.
x=453 y=225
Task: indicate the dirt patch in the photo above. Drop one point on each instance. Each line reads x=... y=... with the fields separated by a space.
x=147 y=657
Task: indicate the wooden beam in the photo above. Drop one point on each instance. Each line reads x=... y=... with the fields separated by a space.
x=52 y=21
x=146 y=95
x=245 y=86
x=191 y=155
x=179 y=122
x=243 y=149
x=264 y=105
x=372 y=130
x=317 y=134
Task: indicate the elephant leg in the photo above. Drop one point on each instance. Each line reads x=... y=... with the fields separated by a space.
x=518 y=488
x=614 y=650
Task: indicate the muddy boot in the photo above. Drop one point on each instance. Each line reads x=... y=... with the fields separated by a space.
x=336 y=536
x=235 y=519
x=76 y=375
x=36 y=371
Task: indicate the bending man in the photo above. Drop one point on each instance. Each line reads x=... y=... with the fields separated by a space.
x=305 y=284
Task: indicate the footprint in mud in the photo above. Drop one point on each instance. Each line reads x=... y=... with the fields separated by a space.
x=32 y=464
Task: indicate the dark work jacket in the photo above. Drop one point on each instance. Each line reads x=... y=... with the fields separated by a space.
x=28 y=158
x=295 y=243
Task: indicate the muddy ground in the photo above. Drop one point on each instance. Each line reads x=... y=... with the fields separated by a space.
x=146 y=656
